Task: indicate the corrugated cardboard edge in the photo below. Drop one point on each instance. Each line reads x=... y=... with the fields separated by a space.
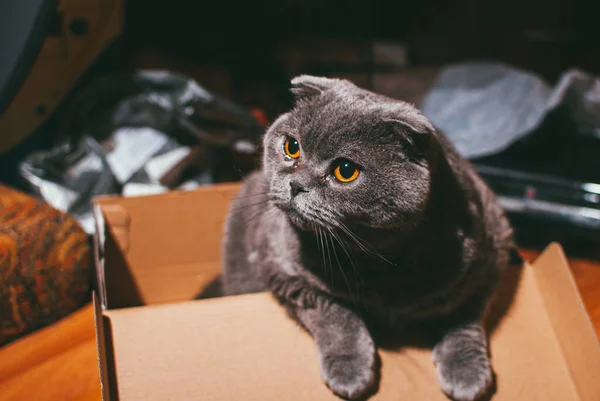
x=99 y=241
x=566 y=310
x=224 y=188
x=101 y=347
x=103 y=238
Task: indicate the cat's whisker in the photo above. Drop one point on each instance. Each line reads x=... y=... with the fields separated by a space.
x=363 y=245
x=346 y=251
x=328 y=251
x=242 y=176
x=236 y=213
x=343 y=274
x=256 y=215
x=246 y=206
x=319 y=215
x=355 y=270
x=359 y=285
x=270 y=214
x=353 y=236
x=252 y=195
x=266 y=215
x=241 y=214
x=324 y=245
x=322 y=251
x=245 y=177
x=334 y=251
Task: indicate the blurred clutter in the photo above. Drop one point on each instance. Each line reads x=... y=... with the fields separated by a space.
x=486 y=107
x=141 y=134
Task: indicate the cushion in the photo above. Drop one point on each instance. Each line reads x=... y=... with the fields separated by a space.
x=45 y=264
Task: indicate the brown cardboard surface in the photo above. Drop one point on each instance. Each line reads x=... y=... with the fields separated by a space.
x=166 y=246
x=571 y=324
x=245 y=347
x=105 y=353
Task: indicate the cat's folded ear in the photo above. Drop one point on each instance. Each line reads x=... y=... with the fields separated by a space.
x=413 y=127
x=408 y=119
x=306 y=86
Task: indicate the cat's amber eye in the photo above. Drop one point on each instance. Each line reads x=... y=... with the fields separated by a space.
x=291 y=148
x=346 y=171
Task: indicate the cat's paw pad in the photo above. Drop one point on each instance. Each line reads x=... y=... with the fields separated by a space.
x=464 y=377
x=349 y=376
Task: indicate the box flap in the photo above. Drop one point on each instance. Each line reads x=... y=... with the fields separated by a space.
x=162 y=248
x=246 y=347
x=570 y=322
x=105 y=368
x=99 y=241
x=242 y=347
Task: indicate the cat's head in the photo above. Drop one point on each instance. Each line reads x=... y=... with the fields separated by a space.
x=346 y=156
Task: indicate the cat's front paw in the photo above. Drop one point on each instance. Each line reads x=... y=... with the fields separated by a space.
x=350 y=376
x=464 y=376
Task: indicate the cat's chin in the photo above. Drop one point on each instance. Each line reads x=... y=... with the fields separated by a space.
x=297 y=219
x=300 y=222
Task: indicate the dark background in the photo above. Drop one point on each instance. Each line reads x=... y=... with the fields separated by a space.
x=546 y=36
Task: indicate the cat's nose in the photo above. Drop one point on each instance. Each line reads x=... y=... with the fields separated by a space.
x=296 y=188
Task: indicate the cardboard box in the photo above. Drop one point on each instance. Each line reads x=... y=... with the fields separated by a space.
x=156 y=253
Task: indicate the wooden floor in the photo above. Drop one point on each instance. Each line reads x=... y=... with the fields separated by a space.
x=59 y=362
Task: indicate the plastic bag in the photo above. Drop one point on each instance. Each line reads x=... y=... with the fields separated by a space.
x=484 y=108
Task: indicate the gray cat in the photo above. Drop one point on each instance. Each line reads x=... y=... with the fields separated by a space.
x=364 y=215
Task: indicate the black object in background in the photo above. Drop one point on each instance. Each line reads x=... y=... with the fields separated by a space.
x=24 y=25
x=549 y=184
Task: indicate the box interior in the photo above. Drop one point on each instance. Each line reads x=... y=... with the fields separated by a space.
x=159 y=249
x=155 y=342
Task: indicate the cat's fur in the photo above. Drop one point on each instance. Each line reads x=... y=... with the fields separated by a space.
x=417 y=235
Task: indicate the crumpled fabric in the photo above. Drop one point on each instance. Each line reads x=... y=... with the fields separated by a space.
x=145 y=133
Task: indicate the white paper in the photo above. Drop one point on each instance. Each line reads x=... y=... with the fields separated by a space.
x=133 y=147
x=160 y=165
x=136 y=189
